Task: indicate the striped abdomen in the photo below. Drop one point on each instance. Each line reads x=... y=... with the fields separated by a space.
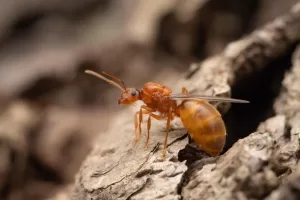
x=204 y=124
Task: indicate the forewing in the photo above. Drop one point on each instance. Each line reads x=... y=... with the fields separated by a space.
x=207 y=98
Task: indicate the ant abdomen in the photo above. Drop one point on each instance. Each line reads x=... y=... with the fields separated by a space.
x=204 y=124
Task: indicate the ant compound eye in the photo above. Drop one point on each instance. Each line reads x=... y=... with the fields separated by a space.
x=133 y=93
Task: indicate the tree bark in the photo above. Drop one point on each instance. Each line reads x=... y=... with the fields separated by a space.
x=259 y=166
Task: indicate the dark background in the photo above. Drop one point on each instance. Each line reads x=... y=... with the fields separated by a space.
x=51 y=111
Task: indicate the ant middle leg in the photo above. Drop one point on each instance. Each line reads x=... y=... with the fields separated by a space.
x=158 y=117
x=167 y=133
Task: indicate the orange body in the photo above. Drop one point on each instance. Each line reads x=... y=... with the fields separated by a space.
x=202 y=121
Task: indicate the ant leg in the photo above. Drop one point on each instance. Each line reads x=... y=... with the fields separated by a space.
x=184 y=91
x=148 y=128
x=148 y=108
x=158 y=117
x=146 y=111
x=137 y=123
x=167 y=133
x=140 y=122
x=138 y=118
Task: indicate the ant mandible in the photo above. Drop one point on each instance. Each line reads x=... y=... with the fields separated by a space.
x=201 y=119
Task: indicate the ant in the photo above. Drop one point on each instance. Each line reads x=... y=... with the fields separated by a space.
x=201 y=119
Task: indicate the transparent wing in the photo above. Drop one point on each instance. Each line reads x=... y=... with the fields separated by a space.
x=207 y=98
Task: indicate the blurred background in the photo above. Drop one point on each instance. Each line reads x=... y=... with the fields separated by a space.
x=51 y=111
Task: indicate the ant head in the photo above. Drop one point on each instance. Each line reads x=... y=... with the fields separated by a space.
x=128 y=95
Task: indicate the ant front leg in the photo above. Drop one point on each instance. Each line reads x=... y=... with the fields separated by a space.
x=147 y=110
x=139 y=118
x=136 y=125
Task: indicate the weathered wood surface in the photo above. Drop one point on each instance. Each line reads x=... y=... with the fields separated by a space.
x=256 y=167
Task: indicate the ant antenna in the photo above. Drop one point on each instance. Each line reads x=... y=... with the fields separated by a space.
x=116 y=78
x=105 y=79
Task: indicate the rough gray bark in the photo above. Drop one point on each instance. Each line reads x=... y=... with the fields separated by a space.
x=252 y=169
x=288 y=104
x=255 y=166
